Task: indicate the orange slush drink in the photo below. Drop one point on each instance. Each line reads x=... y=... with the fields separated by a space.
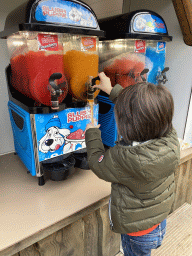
x=78 y=67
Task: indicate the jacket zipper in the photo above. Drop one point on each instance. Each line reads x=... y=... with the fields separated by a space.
x=110 y=219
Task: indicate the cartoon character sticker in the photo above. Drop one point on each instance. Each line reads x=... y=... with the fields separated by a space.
x=140 y=23
x=143 y=25
x=149 y=23
x=75 y=141
x=64 y=132
x=75 y=15
x=60 y=141
x=54 y=139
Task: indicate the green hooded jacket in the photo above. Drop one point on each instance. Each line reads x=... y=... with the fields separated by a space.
x=142 y=177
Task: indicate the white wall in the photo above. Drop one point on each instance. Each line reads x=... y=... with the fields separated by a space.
x=105 y=8
x=6 y=137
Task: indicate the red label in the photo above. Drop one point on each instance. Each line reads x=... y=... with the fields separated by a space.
x=58 y=12
x=79 y=116
x=101 y=158
x=140 y=46
x=159 y=25
x=88 y=44
x=47 y=42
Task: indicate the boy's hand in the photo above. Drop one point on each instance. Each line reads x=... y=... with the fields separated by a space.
x=90 y=125
x=105 y=83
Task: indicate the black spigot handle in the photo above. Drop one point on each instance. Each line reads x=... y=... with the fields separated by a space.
x=131 y=74
x=165 y=70
x=145 y=71
x=93 y=82
x=52 y=79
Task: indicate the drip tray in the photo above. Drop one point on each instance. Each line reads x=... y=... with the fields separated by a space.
x=59 y=170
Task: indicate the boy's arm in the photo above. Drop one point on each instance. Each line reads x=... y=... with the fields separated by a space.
x=115 y=92
x=101 y=162
x=106 y=86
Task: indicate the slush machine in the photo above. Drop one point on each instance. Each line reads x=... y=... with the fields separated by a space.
x=53 y=47
x=132 y=51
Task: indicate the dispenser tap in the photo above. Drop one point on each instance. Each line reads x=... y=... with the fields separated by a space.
x=132 y=75
x=145 y=71
x=90 y=90
x=55 y=90
x=161 y=78
x=90 y=94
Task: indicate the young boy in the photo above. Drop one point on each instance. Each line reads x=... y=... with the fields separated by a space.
x=140 y=166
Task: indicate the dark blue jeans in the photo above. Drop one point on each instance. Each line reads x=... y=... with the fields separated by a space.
x=142 y=245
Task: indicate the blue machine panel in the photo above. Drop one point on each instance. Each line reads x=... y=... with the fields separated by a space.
x=107 y=120
x=155 y=61
x=57 y=133
x=21 y=126
x=62 y=132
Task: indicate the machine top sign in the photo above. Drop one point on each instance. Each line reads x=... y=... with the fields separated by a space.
x=58 y=16
x=145 y=22
x=140 y=24
x=65 y=12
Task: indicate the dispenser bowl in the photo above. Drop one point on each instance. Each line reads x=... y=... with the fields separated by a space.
x=60 y=170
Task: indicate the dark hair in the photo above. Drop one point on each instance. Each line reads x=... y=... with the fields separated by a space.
x=144 y=111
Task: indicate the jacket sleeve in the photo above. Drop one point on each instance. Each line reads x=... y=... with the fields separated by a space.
x=115 y=92
x=101 y=162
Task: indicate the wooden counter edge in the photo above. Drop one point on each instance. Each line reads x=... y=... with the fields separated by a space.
x=53 y=228
x=185 y=155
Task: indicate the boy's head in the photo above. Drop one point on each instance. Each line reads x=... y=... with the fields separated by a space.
x=144 y=111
